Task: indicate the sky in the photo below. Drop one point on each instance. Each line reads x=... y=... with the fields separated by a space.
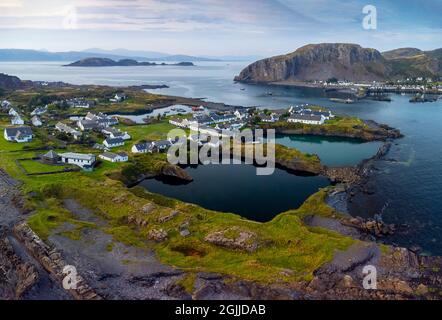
x=216 y=27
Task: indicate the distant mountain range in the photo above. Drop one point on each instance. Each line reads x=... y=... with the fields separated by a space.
x=116 y=54
x=344 y=61
x=105 y=62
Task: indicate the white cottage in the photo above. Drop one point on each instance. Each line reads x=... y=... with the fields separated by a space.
x=36 y=122
x=18 y=134
x=114 y=157
x=79 y=159
x=306 y=119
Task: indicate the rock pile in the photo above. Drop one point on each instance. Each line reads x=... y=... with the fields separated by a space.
x=234 y=238
x=374 y=227
x=157 y=235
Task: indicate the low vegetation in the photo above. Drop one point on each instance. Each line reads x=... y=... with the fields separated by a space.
x=286 y=249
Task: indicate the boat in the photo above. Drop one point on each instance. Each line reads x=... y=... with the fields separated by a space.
x=338 y=100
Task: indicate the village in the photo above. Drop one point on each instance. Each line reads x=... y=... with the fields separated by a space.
x=97 y=136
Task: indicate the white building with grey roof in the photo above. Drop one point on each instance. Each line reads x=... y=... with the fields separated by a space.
x=18 y=134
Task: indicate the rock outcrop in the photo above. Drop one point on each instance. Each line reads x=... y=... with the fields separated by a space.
x=8 y=82
x=174 y=171
x=234 y=238
x=319 y=62
x=16 y=276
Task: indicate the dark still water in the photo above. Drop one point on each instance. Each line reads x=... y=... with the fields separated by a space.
x=237 y=189
x=332 y=151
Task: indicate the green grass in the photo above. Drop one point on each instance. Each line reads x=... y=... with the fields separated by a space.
x=8 y=146
x=188 y=282
x=154 y=131
x=48 y=218
x=288 y=250
x=35 y=166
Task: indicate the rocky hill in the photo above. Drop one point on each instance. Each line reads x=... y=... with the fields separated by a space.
x=8 y=82
x=344 y=62
x=411 y=62
x=105 y=62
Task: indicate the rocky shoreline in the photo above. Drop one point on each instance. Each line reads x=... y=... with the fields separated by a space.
x=402 y=274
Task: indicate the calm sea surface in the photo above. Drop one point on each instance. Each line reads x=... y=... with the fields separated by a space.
x=409 y=185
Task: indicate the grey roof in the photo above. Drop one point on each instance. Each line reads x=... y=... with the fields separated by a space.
x=114 y=131
x=319 y=113
x=114 y=140
x=21 y=131
x=80 y=156
x=306 y=117
x=162 y=143
x=145 y=146
x=51 y=155
x=110 y=155
x=89 y=124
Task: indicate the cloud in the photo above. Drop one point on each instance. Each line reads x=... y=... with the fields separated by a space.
x=249 y=25
x=11 y=4
x=166 y=15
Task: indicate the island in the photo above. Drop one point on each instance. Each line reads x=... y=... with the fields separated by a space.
x=105 y=62
x=69 y=186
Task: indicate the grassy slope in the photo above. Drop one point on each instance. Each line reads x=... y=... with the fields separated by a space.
x=337 y=126
x=289 y=251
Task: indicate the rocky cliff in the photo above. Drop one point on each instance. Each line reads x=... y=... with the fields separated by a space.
x=344 y=62
x=319 y=62
x=8 y=82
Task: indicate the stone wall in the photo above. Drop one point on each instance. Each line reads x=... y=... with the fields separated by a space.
x=51 y=259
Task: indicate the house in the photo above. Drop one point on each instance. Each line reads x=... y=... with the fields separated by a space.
x=202 y=120
x=199 y=138
x=326 y=114
x=269 y=118
x=162 y=145
x=114 y=157
x=66 y=129
x=18 y=134
x=118 y=98
x=12 y=112
x=39 y=111
x=79 y=103
x=116 y=133
x=36 y=122
x=143 y=147
x=17 y=121
x=86 y=125
x=100 y=147
x=99 y=120
x=306 y=119
x=112 y=143
x=231 y=126
x=50 y=157
x=85 y=161
x=5 y=105
x=182 y=123
x=241 y=114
